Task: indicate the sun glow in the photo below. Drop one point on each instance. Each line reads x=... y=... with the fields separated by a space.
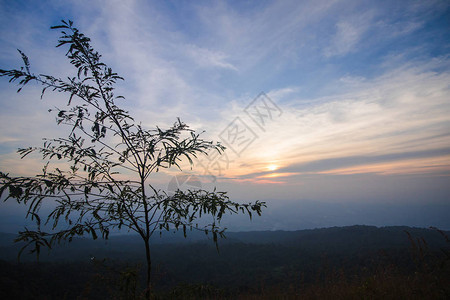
x=272 y=167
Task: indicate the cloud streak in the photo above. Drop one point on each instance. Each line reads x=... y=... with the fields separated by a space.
x=401 y=115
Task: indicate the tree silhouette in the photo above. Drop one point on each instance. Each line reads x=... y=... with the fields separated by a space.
x=105 y=145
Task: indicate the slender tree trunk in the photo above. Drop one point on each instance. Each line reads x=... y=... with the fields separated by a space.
x=149 y=270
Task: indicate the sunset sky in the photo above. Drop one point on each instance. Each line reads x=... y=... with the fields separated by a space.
x=330 y=110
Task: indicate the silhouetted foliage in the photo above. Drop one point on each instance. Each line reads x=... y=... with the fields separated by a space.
x=105 y=146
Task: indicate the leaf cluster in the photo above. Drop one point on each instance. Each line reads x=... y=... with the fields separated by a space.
x=108 y=159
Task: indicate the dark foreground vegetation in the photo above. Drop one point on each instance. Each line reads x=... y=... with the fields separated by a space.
x=358 y=262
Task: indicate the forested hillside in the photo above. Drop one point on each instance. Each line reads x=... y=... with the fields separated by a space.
x=357 y=259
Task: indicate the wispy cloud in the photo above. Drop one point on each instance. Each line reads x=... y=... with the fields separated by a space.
x=430 y=165
x=208 y=58
x=402 y=112
x=348 y=34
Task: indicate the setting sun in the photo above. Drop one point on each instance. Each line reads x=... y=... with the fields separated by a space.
x=272 y=167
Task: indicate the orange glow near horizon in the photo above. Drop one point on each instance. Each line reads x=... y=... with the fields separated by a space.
x=401 y=167
x=410 y=166
x=275 y=175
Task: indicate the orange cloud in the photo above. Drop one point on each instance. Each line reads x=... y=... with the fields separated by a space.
x=410 y=166
x=275 y=175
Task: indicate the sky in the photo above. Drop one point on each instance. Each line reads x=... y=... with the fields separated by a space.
x=334 y=112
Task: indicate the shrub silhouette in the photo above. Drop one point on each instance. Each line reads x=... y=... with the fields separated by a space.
x=106 y=145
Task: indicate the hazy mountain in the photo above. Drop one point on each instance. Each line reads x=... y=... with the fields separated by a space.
x=339 y=239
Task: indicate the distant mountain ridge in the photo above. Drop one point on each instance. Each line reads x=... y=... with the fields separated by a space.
x=245 y=262
x=338 y=239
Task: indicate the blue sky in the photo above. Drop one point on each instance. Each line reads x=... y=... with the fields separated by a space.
x=356 y=104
